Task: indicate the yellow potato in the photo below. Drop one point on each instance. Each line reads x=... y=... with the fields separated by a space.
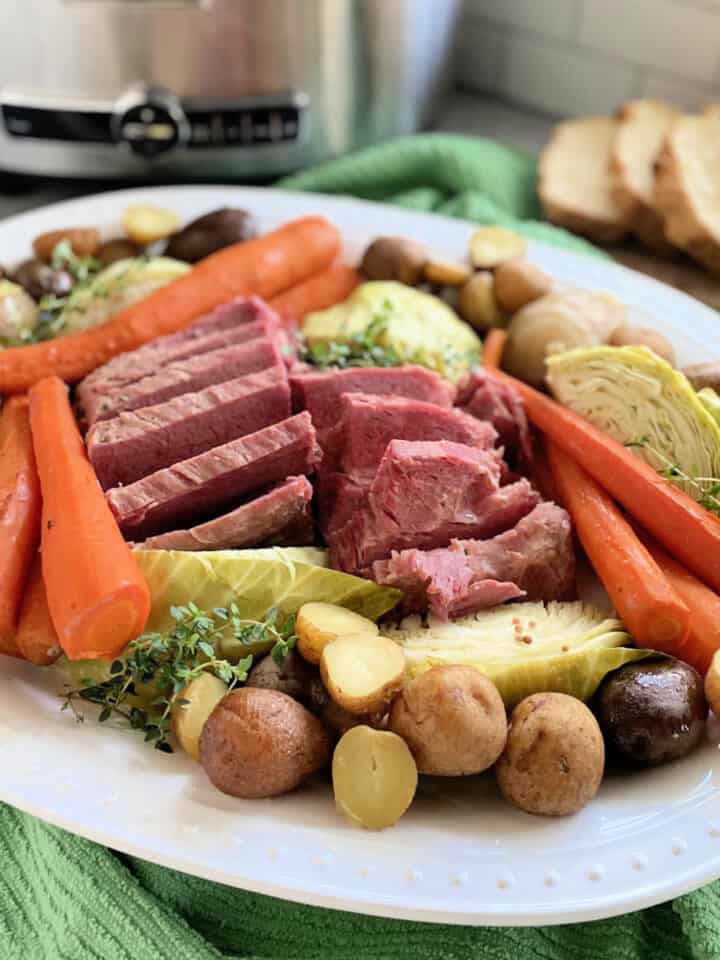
x=374 y=777
x=477 y=303
x=204 y=693
x=145 y=224
x=446 y=273
x=518 y=282
x=318 y=624
x=712 y=684
x=362 y=673
x=490 y=246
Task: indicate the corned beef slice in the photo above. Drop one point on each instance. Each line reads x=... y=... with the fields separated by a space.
x=236 y=322
x=367 y=423
x=424 y=494
x=215 y=480
x=319 y=392
x=191 y=374
x=338 y=498
x=278 y=512
x=134 y=444
x=536 y=559
x=483 y=397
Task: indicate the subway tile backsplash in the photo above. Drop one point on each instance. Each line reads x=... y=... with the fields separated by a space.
x=567 y=57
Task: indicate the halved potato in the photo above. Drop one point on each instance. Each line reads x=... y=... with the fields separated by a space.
x=318 y=624
x=490 y=246
x=374 y=777
x=477 y=303
x=362 y=673
x=145 y=224
x=446 y=273
x=204 y=693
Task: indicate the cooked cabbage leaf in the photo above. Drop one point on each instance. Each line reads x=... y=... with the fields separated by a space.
x=639 y=399
x=524 y=648
x=711 y=401
x=419 y=327
x=118 y=286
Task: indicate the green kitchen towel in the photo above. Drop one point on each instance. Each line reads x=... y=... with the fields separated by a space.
x=64 y=898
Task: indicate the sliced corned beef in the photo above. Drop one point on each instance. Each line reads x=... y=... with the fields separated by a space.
x=136 y=443
x=535 y=559
x=191 y=374
x=338 y=499
x=372 y=534
x=483 y=397
x=367 y=423
x=194 y=489
x=277 y=513
x=318 y=392
x=236 y=322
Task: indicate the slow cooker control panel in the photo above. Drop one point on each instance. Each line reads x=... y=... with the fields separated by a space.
x=152 y=122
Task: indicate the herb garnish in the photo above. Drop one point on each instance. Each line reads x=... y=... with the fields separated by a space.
x=50 y=307
x=706 y=489
x=167 y=662
x=366 y=348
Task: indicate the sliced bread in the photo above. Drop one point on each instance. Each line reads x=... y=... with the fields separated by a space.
x=687 y=187
x=574 y=182
x=641 y=130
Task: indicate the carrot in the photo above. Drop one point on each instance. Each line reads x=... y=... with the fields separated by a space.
x=19 y=515
x=493 y=347
x=265 y=267
x=36 y=637
x=318 y=292
x=96 y=595
x=652 y=611
x=704 y=635
x=683 y=527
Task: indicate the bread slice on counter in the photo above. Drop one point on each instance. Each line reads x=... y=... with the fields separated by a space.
x=640 y=133
x=687 y=187
x=574 y=182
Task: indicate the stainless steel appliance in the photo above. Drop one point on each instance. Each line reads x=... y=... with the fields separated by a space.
x=209 y=88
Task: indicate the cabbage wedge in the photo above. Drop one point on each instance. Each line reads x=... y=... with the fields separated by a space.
x=640 y=400
x=524 y=648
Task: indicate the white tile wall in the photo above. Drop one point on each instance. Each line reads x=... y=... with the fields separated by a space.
x=566 y=57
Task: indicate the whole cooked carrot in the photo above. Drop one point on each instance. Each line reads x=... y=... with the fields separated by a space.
x=36 y=637
x=265 y=266
x=704 y=635
x=96 y=594
x=683 y=527
x=318 y=292
x=19 y=514
x=493 y=347
x=649 y=607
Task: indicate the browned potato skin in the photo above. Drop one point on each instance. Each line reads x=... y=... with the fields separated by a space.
x=114 y=250
x=395 y=258
x=555 y=756
x=215 y=230
x=295 y=677
x=627 y=336
x=85 y=242
x=518 y=282
x=39 y=278
x=261 y=743
x=453 y=719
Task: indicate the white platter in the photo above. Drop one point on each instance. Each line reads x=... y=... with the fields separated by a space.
x=461 y=854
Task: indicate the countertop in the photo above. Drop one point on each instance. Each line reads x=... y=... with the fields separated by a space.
x=460 y=113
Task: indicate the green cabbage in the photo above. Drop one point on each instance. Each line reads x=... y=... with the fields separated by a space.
x=711 y=401
x=573 y=646
x=636 y=397
x=421 y=328
x=116 y=287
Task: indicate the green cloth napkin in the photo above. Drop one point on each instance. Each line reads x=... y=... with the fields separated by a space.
x=64 y=898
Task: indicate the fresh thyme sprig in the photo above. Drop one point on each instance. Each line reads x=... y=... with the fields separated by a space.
x=50 y=307
x=706 y=489
x=165 y=663
x=362 y=349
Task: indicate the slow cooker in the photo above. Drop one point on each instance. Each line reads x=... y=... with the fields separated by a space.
x=204 y=88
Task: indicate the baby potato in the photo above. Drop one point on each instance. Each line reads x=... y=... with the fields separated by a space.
x=555 y=756
x=145 y=224
x=395 y=258
x=374 y=777
x=261 y=743
x=318 y=623
x=84 y=242
x=453 y=719
x=629 y=336
x=295 y=677
x=477 y=304
x=362 y=673
x=204 y=694
x=491 y=246
x=446 y=273
x=518 y=282
x=712 y=684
